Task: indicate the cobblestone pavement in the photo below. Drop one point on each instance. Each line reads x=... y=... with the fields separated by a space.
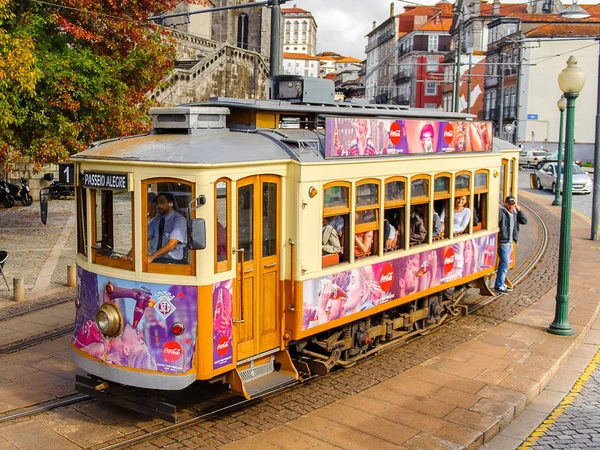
x=34 y=248
x=306 y=398
x=579 y=426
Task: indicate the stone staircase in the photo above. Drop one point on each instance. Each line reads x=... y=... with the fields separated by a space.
x=205 y=68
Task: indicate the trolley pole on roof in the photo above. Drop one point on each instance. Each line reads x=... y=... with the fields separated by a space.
x=275 y=61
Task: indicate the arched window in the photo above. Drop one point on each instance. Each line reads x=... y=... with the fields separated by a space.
x=336 y=214
x=242 y=31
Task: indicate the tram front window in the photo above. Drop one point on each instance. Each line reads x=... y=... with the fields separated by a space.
x=167 y=223
x=113 y=228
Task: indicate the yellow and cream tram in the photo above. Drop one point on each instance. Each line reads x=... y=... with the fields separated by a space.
x=244 y=240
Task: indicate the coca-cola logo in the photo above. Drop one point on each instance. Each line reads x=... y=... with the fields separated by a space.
x=386 y=278
x=448 y=133
x=223 y=345
x=172 y=351
x=395 y=133
x=448 y=260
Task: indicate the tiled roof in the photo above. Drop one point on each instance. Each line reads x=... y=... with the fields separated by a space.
x=287 y=55
x=563 y=29
x=331 y=76
x=293 y=10
x=436 y=25
x=349 y=59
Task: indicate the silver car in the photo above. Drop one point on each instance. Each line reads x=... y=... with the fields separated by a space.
x=546 y=178
x=531 y=158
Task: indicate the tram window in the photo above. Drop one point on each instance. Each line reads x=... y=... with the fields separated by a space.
x=166 y=230
x=441 y=204
x=246 y=221
x=222 y=236
x=480 y=201
x=366 y=220
x=336 y=214
x=82 y=221
x=419 y=211
x=462 y=182
x=419 y=188
x=269 y=219
x=113 y=228
x=502 y=193
x=394 y=216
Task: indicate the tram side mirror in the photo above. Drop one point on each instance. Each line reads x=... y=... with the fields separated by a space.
x=198 y=202
x=43 y=208
x=196 y=234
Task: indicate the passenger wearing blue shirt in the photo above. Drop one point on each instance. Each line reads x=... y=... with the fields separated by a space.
x=167 y=233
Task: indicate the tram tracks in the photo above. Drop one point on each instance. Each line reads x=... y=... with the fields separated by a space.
x=43 y=407
x=35 y=340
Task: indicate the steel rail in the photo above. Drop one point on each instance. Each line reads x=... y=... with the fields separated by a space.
x=46 y=407
x=34 y=309
x=35 y=340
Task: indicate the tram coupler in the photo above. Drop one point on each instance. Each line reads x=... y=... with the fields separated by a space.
x=101 y=386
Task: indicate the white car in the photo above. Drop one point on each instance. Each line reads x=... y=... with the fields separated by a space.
x=546 y=178
x=531 y=158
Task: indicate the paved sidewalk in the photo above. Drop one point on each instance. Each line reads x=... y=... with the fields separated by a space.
x=40 y=253
x=465 y=396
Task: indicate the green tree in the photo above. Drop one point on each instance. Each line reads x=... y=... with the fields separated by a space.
x=77 y=72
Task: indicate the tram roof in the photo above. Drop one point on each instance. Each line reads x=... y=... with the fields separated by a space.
x=338 y=108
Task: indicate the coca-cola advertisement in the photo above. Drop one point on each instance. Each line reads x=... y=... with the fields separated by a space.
x=354 y=137
x=222 y=324
x=345 y=293
x=149 y=311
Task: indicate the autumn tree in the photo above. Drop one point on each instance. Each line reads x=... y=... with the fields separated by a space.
x=77 y=71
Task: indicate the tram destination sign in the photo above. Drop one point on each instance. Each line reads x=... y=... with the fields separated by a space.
x=104 y=180
x=357 y=137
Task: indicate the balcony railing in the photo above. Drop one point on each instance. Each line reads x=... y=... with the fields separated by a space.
x=402 y=76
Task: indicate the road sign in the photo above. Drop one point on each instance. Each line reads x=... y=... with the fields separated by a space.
x=509 y=128
x=532 y=117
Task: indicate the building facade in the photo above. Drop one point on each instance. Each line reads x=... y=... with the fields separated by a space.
x=300 y=64
x=299 y=31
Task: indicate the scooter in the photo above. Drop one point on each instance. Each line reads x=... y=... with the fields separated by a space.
x=57 y=190
x=5 y=195
x=23 y=195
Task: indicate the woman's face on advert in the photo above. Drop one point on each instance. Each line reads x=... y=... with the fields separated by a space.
x=354 y=291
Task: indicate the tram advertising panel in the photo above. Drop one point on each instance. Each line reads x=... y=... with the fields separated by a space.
x=342 y=294
x=374 y=137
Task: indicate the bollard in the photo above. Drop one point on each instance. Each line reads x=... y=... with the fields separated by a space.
x=18 y=289
x=71 y=275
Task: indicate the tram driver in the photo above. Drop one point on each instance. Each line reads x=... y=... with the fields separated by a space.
x=167 y=233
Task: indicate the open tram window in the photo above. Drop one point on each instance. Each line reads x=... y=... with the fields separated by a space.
x=442 y=195
x=164 y=237
x=112 y=222
x=336 y=213
x=462 y=213
x=366 y=219
x=480 y=200
x=394 y=215
x=419 y=210
x=82 y=221
x=222 y=229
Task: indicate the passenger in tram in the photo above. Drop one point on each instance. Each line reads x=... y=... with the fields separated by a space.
x=152 y=203
x=167 y=233
x=462 y=215
x=437 y=224
x=221 y=242
x=418 y=233
x=363 y=243
x=331 y=232
x=390 y=234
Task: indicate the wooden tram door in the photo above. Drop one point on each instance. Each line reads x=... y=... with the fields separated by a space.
x=258 y=207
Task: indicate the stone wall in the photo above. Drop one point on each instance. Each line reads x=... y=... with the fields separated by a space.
x=228 y=72
x=36 y=179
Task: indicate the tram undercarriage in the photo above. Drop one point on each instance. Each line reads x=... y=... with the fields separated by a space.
x=349 y=344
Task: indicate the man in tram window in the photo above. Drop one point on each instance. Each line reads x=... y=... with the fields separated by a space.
x=167 y=233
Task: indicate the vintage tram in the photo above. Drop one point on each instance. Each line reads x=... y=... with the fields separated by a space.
x=242 y=241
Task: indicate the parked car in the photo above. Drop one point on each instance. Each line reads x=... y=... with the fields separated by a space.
x=530 y=158
x=546 y=178
x=553 y=157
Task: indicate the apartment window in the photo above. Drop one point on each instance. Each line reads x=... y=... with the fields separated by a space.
x=430 y=88
x=304 y=26
x=296 y=26
x=432 y=43
x=432 y=64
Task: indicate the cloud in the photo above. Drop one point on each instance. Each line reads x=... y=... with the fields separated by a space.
x=343 y=24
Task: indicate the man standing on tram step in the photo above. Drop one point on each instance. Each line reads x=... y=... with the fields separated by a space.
x=167 y=233
x=510 y=219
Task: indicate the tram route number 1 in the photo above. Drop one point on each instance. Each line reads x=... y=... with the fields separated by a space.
x=66 y=173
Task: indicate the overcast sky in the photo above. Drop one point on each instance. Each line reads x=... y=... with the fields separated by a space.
x=343 y=24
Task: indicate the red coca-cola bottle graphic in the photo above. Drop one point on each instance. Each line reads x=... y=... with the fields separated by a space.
x=423 y=269
x=143 y=301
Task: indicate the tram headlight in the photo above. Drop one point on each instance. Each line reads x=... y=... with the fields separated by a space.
x=108 y=320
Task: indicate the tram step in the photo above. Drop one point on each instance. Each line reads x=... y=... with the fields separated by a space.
x=258 y=379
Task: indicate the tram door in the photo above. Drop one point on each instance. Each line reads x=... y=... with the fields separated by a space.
x=257 y=308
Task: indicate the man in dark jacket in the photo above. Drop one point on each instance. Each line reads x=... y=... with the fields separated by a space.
x=510 y=219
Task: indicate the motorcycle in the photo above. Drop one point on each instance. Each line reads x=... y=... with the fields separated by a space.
x=23 y=194
x=5 y=195
x=57 y=190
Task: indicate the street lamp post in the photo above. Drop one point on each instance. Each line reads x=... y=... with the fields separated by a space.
x=562 y=105
x=571 y=81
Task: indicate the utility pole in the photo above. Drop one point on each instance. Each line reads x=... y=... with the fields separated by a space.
x=457 y=73
x=596 y=186
x=501 y=96
x=275 y=60
x=469 y=85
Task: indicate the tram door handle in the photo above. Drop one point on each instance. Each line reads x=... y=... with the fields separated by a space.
x=267 y=266
x=241 y=250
